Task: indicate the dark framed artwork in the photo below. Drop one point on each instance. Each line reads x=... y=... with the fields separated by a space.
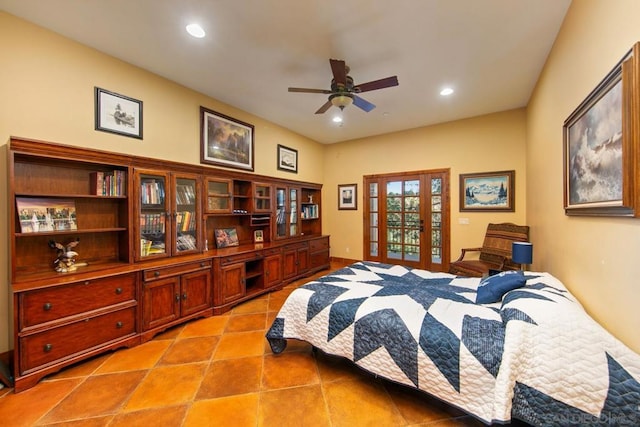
x=225 y=141
x=117 y=114
x=600 y=144
x=287 y=159
x=487 y=191
x=348 y=196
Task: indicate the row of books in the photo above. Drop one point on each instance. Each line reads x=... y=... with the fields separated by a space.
x=185 y=221
x=108 y=183
x=310 y=212
x=152 y=192
x=185 y=194
x=152 y=223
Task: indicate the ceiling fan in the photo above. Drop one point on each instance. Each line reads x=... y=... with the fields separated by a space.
x=343 y=92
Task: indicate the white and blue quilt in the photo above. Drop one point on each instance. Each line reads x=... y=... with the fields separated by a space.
x=536 y=355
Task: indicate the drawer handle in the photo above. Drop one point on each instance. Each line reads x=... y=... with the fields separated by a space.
x=119 y=325
x=47 y=306
x=184 y=296
x=203 y=264
x=47 y=348
x=156 y=273
x=177 y=297
x=87 y=282
x=118 y=291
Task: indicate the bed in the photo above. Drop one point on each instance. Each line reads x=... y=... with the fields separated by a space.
x=533 y=355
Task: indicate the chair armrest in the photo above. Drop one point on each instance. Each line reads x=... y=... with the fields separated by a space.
x=465 y=250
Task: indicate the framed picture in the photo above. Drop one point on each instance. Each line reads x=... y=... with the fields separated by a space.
x=226 y=237
x=38 y=215
x=287 y=159
x=347 y=196
x=225 y=141
x=117 y=113
x=487 y=191
x=599 y=145
x=258 y=236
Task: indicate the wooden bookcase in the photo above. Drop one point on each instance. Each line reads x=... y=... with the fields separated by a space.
x=143 y=230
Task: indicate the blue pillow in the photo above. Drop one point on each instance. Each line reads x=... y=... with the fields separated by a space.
x=492 y=288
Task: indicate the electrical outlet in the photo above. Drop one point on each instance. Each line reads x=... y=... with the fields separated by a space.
x=347 y=249
x=464 y=221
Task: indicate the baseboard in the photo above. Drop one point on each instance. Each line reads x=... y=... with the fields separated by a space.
x=343 y=260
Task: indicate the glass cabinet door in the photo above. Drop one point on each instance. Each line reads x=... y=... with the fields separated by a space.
x=281 y=214
x=186 y=214
x=293 y=212
x=261 y=197
x=152 y=221
x=219 y=196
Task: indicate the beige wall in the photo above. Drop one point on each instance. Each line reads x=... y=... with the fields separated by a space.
x=46 y=93
x=595 y=257
x=494 y=142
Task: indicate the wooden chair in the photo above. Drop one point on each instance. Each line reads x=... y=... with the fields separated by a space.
x=495 y=253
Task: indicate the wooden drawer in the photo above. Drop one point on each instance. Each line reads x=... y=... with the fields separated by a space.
x=174 y=270
x=318 y=245
x=249 y=256
x=64 y=341
x=272 y=251
x=45 y=305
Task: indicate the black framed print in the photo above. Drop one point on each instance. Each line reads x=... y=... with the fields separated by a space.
x=117 y=114
x=287 y=159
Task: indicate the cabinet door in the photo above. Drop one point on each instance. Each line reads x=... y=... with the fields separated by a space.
x=161 y=302
x=287 y=212
x=232 y=282
x=219 y=195
x=186 y=214
x=152 y=208
x=289 y=263
x=303 y=259
x=272 y=270
x=196 y=292
x=262 y=197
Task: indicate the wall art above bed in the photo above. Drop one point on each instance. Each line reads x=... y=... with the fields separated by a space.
x=600 y=143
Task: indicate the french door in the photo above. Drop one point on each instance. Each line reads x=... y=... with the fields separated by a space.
x=406 y=219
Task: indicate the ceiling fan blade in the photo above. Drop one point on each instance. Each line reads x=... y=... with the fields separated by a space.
x=362 y=104
x=376 y=84
x=304 y=90
x=324 y=108
x=339 y=70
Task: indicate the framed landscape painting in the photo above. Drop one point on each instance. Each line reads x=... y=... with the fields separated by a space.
x=487 y=191
x=225 y=141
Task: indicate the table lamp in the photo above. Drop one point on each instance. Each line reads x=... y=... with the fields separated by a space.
x=522 y=253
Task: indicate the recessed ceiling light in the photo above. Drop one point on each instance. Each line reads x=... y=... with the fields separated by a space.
x=446 y=91
x=195 y=30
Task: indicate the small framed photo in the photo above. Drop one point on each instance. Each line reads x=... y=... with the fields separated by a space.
x=226 y=237
x=46 y=215
x=487 y=191
x=287 y=159
x=225 y=141
x=348 y=196
x=118 y=114
x=258 y=236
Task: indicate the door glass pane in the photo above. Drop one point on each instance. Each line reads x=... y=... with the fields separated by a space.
x=373 y=249
x=436 y=186
x=373 y=204
x=186 y=215
x=293 y=209
x=373 y=219
x=153 y=208
x=436 y=220
x=281 y=226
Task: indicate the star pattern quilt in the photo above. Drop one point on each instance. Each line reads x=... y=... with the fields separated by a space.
x=536 y=355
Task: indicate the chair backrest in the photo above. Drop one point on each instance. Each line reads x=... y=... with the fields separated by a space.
x=498 y=241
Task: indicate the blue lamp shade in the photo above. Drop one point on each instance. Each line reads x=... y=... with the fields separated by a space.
x=522 y=252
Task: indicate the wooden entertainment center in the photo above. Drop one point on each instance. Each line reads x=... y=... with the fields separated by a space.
x=144 y=231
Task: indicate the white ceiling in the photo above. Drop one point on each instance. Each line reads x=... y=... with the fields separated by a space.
x=490 y=51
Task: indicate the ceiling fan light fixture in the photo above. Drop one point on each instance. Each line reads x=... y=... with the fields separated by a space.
x=341 y=100
x=446 y=91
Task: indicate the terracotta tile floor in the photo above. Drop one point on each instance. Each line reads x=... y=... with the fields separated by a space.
x=220 y=371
